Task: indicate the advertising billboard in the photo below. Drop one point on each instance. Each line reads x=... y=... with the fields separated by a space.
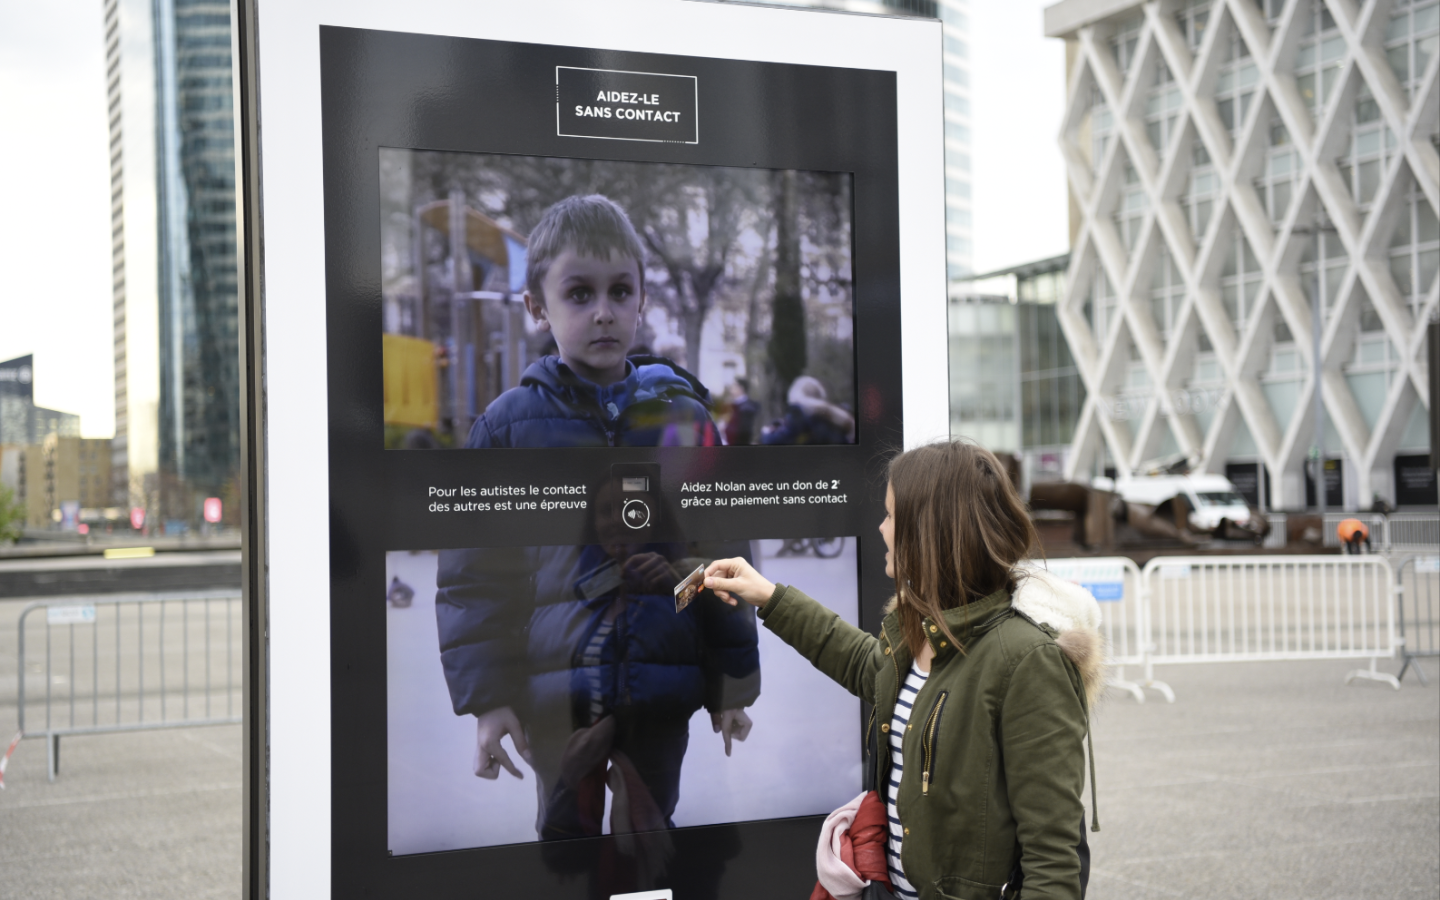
x=634 y=281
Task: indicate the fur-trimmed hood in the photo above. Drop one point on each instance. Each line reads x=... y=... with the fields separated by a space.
x=1068 y=608
x=1073 y=612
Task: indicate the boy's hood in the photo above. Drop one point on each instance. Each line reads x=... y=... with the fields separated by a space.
x=654 y=378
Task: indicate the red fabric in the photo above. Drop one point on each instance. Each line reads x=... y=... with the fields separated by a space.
x=863 y=846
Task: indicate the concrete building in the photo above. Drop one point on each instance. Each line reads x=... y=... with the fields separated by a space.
x=955 y=19
x=57 y=472
x=1242 y=171
x=173 y=251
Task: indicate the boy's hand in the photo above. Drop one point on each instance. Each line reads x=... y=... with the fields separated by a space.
x=735 y=579
x=490 y=727
x=650 y=573
x=732 y=723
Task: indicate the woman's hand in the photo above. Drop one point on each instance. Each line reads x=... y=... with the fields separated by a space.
x=735 y=579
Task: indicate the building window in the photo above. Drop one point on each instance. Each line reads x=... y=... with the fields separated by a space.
x=1412 y=40
x=1373 y=365
x=1282 y=163
x=1193 y=19
x=1100 y=306
x=957 y=218
x=1051 y=392
x=1235 y=85
x=1204 y=390
x=1131 y=210
x=955 y=46
x=1271 y=10
x=1125 y=41
x=1167 y=292
x=955 y=187
x=1324 y=256
x=1283 y=378
x=1102 y=126
x=1415 y=250
x=1317 y=62
x=1162 y=108
x=1240 y=282
x=955 y=131
x=1198 y=201
x=1371 y=144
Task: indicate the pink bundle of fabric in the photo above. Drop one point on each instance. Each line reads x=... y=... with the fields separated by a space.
x=851 y=852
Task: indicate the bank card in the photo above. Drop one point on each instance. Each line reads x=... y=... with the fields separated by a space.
x=603 y=580
x=686 y=590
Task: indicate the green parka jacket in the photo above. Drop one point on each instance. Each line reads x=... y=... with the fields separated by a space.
x=994 y=755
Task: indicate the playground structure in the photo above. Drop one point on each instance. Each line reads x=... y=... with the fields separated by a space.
x=458 y=338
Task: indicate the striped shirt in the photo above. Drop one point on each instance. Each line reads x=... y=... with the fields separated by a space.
x=913 y=683
x=590 y=658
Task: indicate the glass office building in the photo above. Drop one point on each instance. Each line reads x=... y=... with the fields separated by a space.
x=174 y=253
x=1014 y=386
x=1235 y=168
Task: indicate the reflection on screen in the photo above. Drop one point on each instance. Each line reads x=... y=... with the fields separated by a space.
x=544 y=302
x=577 y=656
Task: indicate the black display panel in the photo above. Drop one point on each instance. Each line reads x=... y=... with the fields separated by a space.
x=803 y=137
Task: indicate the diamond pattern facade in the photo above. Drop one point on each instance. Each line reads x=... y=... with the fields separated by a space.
x=1227 y=161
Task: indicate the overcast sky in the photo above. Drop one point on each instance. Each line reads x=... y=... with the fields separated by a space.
x=55 y=205
x=55 y=181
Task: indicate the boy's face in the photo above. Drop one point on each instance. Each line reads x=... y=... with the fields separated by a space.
x=592 y=307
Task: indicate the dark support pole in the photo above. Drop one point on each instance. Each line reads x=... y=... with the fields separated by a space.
x=255 y=855
x=1433 y=339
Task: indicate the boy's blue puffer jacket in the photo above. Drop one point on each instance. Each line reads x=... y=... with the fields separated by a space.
x=553 y=407
x=514 y=622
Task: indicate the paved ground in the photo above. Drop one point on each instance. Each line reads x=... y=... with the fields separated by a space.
x=153 y=815
x=1270 y=780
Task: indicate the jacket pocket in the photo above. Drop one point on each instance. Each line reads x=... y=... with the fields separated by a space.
x=957 y=888
x=930 y=741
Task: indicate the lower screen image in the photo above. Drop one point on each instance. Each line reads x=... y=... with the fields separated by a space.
x=619 y=686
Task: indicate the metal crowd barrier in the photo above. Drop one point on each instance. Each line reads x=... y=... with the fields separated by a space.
x=1417 y=532
x=1117 y=583
x=1417 y=596
x=1237 y=609
x=130 y=663
x=1399 y=532
x=1278 y=536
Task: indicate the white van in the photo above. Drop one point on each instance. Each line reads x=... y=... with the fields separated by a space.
x=1212 y=498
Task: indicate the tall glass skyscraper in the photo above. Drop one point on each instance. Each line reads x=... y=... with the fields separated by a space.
x=954 y=16
x=174 y=240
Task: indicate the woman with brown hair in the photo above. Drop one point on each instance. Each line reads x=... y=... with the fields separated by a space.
x=980 y=680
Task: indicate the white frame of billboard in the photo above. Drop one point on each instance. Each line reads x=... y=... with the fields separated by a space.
x=293 y=476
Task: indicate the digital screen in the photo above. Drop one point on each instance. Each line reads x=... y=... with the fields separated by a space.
x=615 y=695
x=639 y=303
x=549 y=302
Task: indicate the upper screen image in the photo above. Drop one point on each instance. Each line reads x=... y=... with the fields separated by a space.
x=553 y=302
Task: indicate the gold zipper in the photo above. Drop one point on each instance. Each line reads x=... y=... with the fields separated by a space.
x=928 y=748
x=896 y=666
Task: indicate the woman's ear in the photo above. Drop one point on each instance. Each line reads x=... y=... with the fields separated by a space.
x=536 y=308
